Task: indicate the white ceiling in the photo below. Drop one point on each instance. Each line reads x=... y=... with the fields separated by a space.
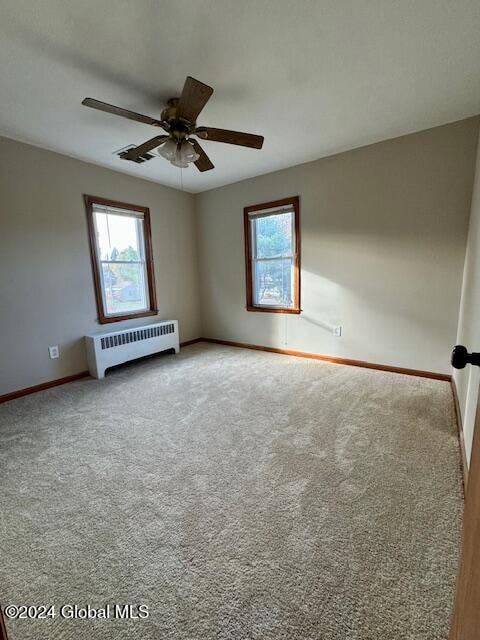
x=313 y=76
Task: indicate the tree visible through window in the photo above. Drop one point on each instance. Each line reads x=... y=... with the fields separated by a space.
x=273 y=256
x=122 y=261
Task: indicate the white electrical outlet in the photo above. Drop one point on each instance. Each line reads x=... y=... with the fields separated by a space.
x=337 y=330
x=53 y=352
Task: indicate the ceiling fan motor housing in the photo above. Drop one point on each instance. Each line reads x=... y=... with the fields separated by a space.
x=178 y=127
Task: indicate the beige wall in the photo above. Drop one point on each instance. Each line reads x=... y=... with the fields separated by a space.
x=467 y=380
x=383 y=229
x=46 y=290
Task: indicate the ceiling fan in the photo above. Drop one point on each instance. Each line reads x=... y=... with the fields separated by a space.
x=179 y=120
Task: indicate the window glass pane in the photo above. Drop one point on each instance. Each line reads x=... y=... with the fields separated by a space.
x=119 y=237
x=124 y=287
x=273 y=235
x=273 y=282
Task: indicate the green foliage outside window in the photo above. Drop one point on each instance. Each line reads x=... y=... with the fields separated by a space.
x=123 y=273
x=273 y=236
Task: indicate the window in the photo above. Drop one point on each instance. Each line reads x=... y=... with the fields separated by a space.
x=122 y=262
x=272 y=255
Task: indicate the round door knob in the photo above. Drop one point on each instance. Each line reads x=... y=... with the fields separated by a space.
x=459 y=356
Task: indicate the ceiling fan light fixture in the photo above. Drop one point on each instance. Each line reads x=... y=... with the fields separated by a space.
x=187 y=152
x=179 y=163
x=180 y=154
x=168 y=150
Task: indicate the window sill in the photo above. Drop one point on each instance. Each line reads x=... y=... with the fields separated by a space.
x=128 y=316
x=273 y=310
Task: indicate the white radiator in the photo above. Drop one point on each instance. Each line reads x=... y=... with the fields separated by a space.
x=108 y=349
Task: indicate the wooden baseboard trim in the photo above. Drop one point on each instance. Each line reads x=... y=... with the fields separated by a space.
x=243 y=345
x=346 y=361
x=41 y=387
x=461 y=437
x=55 y=383
x=189 y=342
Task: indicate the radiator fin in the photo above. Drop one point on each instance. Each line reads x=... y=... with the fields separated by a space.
x=126 y=337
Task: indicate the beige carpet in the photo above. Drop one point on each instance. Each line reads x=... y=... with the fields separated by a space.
x=239 y=495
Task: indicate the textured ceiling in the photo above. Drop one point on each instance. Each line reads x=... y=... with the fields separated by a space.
x=314 y=77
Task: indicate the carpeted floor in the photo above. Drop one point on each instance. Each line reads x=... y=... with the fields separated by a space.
x=239 y=495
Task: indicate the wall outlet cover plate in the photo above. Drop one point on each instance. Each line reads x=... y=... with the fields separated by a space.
x=53 y=352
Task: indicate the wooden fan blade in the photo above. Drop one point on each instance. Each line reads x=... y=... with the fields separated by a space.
x=136 y=152
x=195 y=95
x=230 y=137
x=118 y=111
x=203 y=163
